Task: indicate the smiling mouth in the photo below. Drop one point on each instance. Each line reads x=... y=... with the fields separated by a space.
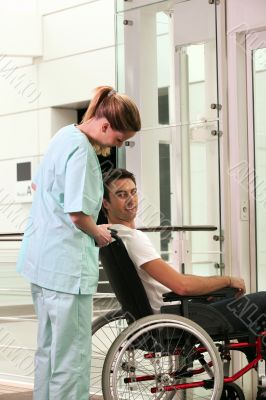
x=131 y=208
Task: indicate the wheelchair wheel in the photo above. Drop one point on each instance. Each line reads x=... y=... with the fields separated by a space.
x=105 y=330
x=232 y=391
x=163 y=357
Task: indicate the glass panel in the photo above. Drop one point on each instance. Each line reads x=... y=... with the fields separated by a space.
x=156 y=50
x=204 y=192
x=165 y=194
x=159 y=197
x=120 y=76
x=171 y=72
x=143 y=51
x=197 y=75
x=120 y=53
x=123 y=5
x=259 y=82
x=163 y=66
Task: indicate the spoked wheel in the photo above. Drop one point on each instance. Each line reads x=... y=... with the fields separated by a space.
x=105 y=330
x=163 y=357
x=232 y=391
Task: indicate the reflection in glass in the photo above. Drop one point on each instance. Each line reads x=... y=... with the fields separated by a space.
x=120 y=54
x=155 y=51
x=196 y=82
x=163 y=66
x=259 y=82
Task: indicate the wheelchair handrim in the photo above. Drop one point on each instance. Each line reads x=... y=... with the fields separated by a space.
x=156 y=324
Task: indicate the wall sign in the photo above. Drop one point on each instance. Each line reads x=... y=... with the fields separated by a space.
x=23 y=184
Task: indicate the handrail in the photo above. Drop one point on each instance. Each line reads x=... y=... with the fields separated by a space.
x=17 y=237
x=12 y=234
x=11 y=237
x=183 y=228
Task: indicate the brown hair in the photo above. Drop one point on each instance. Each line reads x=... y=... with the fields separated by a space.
x=120 y=111
x=114 y=175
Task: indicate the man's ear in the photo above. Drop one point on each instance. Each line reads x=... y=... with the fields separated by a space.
x=105 y=204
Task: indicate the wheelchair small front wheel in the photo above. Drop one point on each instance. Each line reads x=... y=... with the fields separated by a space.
x=163 y=357
x=232 y=391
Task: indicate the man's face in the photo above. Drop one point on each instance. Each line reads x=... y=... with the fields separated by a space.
x=123 y=203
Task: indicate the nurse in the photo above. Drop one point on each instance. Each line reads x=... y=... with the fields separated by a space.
x=59 y=256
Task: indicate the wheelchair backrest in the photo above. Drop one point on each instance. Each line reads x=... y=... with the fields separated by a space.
x=125 y=281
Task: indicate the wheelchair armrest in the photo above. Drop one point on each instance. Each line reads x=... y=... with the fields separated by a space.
x=224 y=293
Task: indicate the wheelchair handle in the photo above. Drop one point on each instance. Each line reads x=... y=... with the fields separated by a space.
x=114 y=233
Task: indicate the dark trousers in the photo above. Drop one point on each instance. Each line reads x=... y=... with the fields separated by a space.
x=246 y=314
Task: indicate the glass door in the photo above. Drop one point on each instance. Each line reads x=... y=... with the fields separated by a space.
x=256 y=77
x=171 y=71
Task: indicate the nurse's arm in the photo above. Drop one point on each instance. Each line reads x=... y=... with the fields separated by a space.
x=86 y=223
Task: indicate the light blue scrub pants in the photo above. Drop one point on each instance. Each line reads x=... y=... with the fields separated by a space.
x=62 y=359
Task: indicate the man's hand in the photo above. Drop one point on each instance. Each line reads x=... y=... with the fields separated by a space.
x=239 y=284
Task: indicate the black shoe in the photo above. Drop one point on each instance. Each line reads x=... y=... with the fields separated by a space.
x=261 y=394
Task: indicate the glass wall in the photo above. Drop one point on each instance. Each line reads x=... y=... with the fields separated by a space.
x=171 y=72
x=259 y=87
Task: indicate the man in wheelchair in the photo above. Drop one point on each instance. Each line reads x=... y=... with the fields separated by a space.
x=244 y=314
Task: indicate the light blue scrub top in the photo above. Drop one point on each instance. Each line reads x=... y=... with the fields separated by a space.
x=55 y=254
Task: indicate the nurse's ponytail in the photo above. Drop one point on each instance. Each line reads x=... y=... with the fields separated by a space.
x=119 y=109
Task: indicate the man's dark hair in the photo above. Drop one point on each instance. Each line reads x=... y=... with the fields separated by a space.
x=115 y=175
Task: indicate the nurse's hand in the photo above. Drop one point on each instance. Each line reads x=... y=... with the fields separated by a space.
x=103 y=236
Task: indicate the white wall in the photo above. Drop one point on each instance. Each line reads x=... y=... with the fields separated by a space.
x=39 y=95
x=79 y=29
x=48 y=7
x=78 y=38
x=20 y=28
x=71 y=79
x=78 y=56
x=200 y=16
x=25 y=137
x=242 y=17
x=18 y=87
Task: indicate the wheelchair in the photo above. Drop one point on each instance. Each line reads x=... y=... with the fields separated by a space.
x=183 y=353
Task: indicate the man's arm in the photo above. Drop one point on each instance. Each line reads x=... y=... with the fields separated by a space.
x=185 y=285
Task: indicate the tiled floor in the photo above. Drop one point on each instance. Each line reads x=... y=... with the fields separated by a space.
x=14 y=393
